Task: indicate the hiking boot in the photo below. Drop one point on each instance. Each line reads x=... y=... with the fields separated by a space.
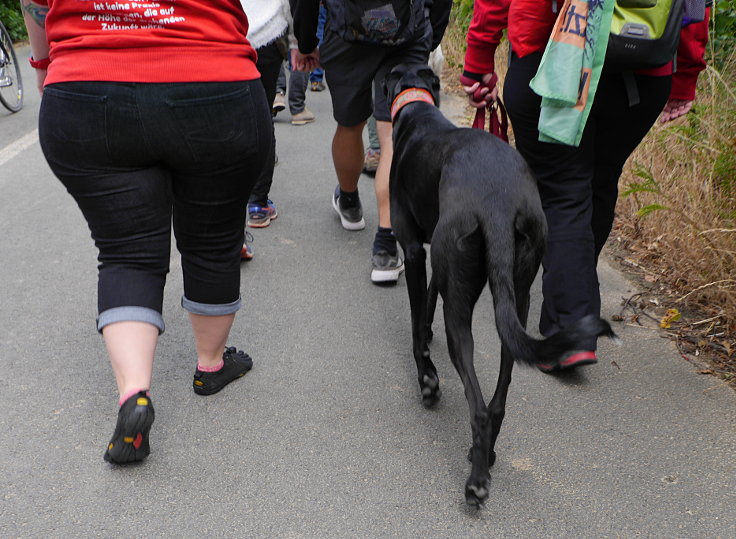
x=302 y=118
x=573 y=359
x=279 y=103
x=129 y=442
x=246 y=252
x=261 y=216
x=370 y=165
x=386 y=268
x=351 y=216
x=235 y=364
x=317 y=86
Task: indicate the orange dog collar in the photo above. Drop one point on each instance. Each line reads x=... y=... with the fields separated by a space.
x=410 y=95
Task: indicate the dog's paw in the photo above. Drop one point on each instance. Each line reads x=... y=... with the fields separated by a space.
x=491 y=456
x=476 y=491
x=431 y=393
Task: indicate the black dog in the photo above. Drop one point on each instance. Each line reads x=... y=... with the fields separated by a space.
x=473 y=198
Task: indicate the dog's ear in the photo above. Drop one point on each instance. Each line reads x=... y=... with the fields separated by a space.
x=389 y=83
x=433 y=83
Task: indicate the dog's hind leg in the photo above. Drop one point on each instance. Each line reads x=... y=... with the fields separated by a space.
x=497 y=406
x=416 y=282
x=458 y=318
x=460 y=276
x=528 y=253
x=431 y=306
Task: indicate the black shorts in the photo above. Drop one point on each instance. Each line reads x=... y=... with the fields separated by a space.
x=351 y=68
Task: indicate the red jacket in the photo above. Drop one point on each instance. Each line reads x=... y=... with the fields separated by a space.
x=147 y=41
x=529 y=24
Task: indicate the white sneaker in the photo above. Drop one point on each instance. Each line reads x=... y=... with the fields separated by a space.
x=386 y=267
x=351 y=218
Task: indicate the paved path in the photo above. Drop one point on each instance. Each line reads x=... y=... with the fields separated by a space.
x=326 y=437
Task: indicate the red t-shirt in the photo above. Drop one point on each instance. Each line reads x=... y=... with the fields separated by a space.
x=148 y=41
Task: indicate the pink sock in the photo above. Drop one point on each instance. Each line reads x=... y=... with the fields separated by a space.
x=125 y=396
x=216 y=368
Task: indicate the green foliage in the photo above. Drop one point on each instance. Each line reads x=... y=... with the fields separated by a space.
x=723 y=31
x=724 y=168
x=649 y=185
x=646 y=210
x=13 y=19
x=461 y=15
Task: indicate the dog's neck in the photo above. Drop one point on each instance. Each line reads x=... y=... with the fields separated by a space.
x=410 y=95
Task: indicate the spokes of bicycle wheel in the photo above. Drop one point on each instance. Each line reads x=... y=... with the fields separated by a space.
x=11 y=84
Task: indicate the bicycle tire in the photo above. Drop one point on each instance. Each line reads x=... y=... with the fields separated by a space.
x=11 y=95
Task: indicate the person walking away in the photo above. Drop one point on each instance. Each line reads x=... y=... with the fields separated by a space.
x=296 y=95
x=143 y=119
x=268 y=33
x=578 y=185
x=353 y=64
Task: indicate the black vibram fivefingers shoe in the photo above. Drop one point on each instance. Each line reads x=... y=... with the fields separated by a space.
x=129 y=442
x=236 y=364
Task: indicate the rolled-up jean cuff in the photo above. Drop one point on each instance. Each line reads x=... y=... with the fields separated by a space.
x=210 y=309
x=130 y=313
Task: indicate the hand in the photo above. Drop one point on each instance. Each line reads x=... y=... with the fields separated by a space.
x=674 y=109
x=480 y=96
x=305 y=62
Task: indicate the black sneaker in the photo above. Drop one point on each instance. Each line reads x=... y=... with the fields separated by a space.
x=573 y=359
x=351 y=216
x=129 y=442
x=237 y=363
x=386 y=268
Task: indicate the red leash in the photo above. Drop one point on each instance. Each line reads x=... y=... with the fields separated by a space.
x=497 y=126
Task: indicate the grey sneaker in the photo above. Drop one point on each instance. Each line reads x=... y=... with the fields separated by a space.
x=350 y=217
x=302 y=118
x=386 y=267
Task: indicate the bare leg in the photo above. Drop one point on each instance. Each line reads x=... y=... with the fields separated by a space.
x=385 y=131
x=210 y=336
x=131 y=347
x=348 y=155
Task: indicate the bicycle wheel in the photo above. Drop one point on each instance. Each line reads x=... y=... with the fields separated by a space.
x=11 y=83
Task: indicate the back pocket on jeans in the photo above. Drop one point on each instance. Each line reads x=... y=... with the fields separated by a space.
x=73 y=124
x=218 y=128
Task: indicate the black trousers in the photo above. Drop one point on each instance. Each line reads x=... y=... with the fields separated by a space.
x=134 y=155
x=579 y=186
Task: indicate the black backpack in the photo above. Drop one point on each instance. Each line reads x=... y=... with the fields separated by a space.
x=376 y=22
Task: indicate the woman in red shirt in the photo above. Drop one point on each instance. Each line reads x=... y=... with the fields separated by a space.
x=578 y=185
x=154 y=110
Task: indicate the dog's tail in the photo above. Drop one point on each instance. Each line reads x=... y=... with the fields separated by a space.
x=500 y=258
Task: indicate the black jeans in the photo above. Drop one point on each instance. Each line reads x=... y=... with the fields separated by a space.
x=134 y=155
x=579 y=186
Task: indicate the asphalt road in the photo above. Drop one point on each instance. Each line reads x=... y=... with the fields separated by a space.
x=326 y=437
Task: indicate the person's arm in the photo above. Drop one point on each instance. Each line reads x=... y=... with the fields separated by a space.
x=305 y=14
x=34 y=14
x=439 y=16
x=490 y=18
x=690 y=62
